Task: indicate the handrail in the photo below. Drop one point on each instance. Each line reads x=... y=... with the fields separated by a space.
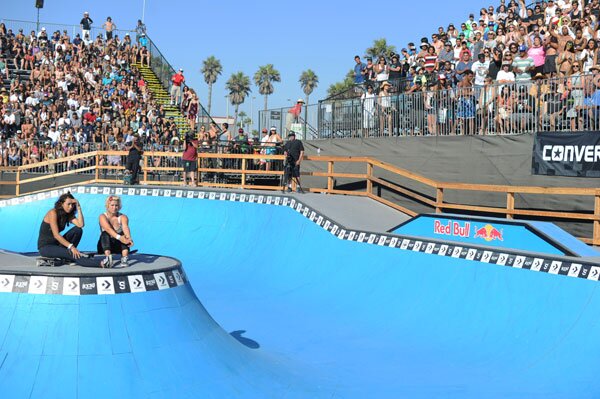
x=364 y=170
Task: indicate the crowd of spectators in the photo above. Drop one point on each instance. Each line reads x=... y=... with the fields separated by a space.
x=78 y=93
x=506 y=48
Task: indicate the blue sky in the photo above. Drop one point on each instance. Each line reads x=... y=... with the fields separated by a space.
x=293 y=36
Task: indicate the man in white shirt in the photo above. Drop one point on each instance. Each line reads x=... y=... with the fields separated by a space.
x=549 y=11
x=480 y=68
x=53 y=133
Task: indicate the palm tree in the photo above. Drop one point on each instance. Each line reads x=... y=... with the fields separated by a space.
x=379 y=48
x=239 y=88
x=264 y=77
x=211 y=68
x=342 y=89
x=308 y=81
x=242 y=115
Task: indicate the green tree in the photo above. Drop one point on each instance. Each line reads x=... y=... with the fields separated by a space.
x=211 y=69
x=380 y=47
x=239 y=88
x=342 y=89
x=242 y=115
x=264 y=78
x=308 y=81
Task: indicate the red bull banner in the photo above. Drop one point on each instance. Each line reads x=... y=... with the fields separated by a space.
x=574 y=154
x=478 y=230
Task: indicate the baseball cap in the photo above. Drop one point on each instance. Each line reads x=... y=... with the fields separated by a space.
x=522 y=47
x=273 y=128
x=291 y=133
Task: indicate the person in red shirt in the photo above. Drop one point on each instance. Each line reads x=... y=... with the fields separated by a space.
x=177 y=81
x=190 y=159
x=293 y=114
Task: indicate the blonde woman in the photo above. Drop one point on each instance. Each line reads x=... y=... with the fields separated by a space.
x=115 y=236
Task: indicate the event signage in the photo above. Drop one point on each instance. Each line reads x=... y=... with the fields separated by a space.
x=574 y=154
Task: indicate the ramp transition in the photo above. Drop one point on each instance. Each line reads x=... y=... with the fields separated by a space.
x=287 y=309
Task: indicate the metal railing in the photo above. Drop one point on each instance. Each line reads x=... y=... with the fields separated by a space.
x=305 y=126
x=559 y=104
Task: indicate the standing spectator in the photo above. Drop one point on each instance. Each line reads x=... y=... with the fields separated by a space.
x=293 y=114
x=463 y=66
x=86 y=26
x=480 y=68
x=537 y=53
x=109 y=26
x=395 y=72
x=385 y=109
x=523 y=65
x=505 y=75
x=178 y=79
x=566 y=59
x=133 y=158
x=369 y=71
x=382 y=70
x=368 y=105
x=359 y=67
x=294 y=152
x=190 y=160
x=140 y=29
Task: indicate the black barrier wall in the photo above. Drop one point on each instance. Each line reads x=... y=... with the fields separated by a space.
x=573 y=154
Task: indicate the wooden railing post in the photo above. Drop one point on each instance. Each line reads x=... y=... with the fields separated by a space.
x=243 y=171
x=369 y=178
x=329 y=177
x=596 y=230
x=510 y=204
x=439 y=199
x=18 y=183
x=145 y=157
x=97 y=170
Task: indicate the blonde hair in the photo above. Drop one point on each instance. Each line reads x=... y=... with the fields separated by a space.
x=113 y=198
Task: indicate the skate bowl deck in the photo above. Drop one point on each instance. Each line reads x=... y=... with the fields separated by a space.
x=287 y=303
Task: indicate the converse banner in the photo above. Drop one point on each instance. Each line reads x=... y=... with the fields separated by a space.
x=566 y=154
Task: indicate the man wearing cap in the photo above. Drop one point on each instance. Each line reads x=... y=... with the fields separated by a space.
x=522 y=65
x=86 y=26
x=293 y=114
x=480 y=69
x=178 y=79
x=446 y=54
x=294 y=152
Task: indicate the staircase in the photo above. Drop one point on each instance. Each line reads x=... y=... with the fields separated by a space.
x=13 y=73
x=162 y=97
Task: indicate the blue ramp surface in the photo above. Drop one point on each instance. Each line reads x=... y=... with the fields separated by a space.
x=286 y=309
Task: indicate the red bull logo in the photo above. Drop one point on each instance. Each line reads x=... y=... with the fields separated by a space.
x=452 y=228
x=488 y=233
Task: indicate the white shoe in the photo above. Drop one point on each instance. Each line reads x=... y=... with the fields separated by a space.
x=107 y=262
x=125 y=261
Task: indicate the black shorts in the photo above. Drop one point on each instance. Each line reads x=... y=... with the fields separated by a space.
x=293 y=171
x=190 y=166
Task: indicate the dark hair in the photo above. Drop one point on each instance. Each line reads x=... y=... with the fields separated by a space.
x=226 y=125
x=62 y=216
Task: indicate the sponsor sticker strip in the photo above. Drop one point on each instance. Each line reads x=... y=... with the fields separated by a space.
x=550 y=265
x=92 y=285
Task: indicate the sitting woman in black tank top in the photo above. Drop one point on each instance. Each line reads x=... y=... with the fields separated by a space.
x=51 y=244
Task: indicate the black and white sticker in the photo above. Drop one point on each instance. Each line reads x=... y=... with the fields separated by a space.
x=141 y=283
